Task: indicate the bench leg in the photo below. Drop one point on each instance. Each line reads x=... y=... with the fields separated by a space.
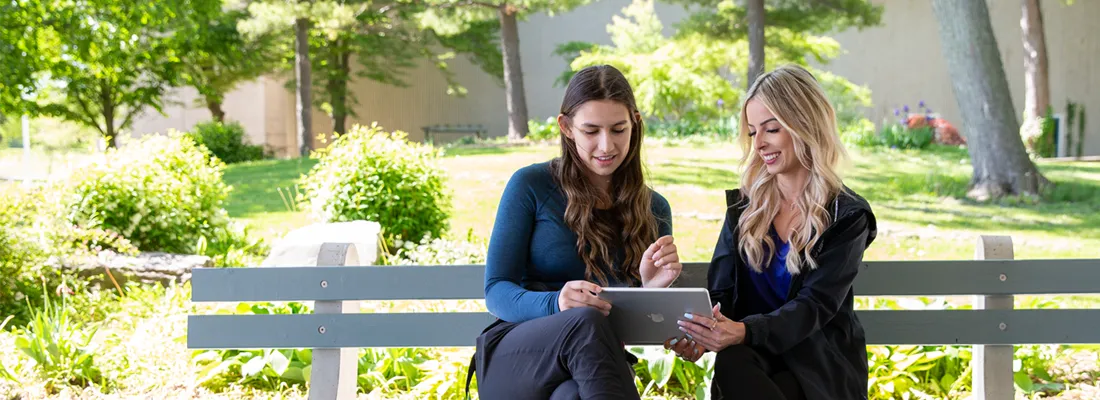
x=992 y=364
x=335 y=371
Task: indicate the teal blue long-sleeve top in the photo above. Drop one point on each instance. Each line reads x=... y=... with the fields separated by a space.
x=532 y=253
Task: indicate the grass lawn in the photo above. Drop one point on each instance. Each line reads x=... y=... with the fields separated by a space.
x=918 y=198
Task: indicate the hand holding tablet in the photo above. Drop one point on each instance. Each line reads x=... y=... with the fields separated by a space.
x=649 y=316
x=714 y=332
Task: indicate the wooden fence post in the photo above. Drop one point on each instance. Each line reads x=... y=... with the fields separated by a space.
x=992 y=364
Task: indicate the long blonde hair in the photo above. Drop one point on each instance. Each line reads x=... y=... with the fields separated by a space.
x=797 y=101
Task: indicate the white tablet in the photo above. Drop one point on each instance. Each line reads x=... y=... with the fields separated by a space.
x=647 y=316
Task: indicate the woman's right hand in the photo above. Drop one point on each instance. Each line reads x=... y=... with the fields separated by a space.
x=580 y=294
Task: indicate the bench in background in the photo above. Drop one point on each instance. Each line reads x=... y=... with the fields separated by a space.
x=336 y=330
x=478 y=130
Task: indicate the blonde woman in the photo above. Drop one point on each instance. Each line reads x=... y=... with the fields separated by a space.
x=781 y=276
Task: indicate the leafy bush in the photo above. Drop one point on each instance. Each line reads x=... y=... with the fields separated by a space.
x=439 y=252
x=263 y=368
x=372 y=175
x=673 y=78
x=162 y=193
x=543 y=131
x=848 y=99
x=23 y=254
x=682 y=128
x=226 y=141
x=233 y=245
x=661 y=372
x=902 y=137
x=60 y=348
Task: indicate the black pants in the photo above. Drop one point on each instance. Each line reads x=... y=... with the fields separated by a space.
x=741 y=372
x=569 y=355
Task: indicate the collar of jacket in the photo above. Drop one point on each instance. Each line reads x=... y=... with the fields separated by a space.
x=844 y=205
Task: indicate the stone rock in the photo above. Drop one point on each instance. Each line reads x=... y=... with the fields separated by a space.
x=151 y=267
x=300 y=247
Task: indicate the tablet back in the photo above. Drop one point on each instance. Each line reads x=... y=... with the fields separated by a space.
x=642 y=316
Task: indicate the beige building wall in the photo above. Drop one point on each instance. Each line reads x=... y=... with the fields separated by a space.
x=900 y=61
x=182 y=112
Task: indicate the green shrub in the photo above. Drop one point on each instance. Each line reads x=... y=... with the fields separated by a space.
x=437 y=251
x=61 y=348
x=372 y=175
x=162 y=193
x=849 y=100
x=686 y=127
x=861 y=134
x=226 y=141
x=543 y=131
x=901 y=137
x=23 y=254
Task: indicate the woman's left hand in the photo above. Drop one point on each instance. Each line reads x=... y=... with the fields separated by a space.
x=714 y=334
x=660 y=264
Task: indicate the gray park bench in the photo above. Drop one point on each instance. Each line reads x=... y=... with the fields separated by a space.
x=430 y=131
x=336 y=329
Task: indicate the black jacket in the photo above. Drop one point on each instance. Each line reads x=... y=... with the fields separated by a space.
x=816 y=331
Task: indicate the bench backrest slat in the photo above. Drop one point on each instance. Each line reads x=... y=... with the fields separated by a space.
x=878 y=278
x=938 y=327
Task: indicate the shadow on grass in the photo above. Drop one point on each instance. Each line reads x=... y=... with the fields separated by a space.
x=256 y=185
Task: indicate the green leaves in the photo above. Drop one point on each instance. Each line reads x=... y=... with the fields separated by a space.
x=163 y=194
x=377 y=176
x=673 y=78
x=60 y=348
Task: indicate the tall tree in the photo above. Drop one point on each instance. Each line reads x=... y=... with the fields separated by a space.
x=686 y=76
x=509 y=13
x=1036 y=79
x=303 y=76
x=28 y=45
x=266 y=16
x=384 y=41
x=754 y=10
x=1000 y=163
x=115 y=60
x=784 y=22
x=222 y=57
x=375 y=40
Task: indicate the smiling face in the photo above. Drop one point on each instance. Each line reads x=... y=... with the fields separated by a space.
x=770 y=140
x=600 y=131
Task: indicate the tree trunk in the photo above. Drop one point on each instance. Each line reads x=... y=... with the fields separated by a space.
x=755 y=15
x=338 y=88
x=1000 y=163
x=302 y=75
x=108 y=107
x=1036 y=79
x=215 y=106
x=109 y=136
x=513 y=74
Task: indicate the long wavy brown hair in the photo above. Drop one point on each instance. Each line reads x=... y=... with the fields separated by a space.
x=630 y=221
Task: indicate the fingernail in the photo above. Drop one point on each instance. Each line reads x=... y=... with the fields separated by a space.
x=673 y=342
x=689 y=336
x=683 y=330
x=689 y=316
